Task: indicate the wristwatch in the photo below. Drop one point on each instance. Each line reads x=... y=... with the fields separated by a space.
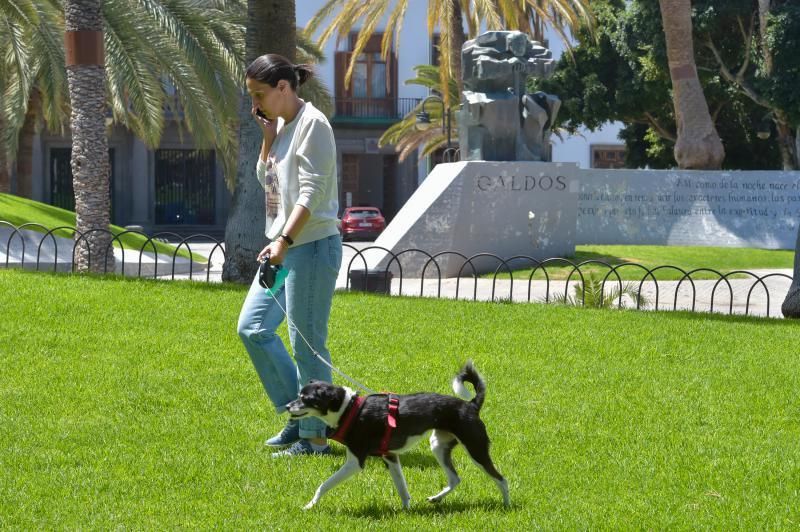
x=287 y=238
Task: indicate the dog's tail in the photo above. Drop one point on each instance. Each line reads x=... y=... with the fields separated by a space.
x=470 y=374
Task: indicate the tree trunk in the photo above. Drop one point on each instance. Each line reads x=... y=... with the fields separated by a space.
x=86 y=77
x=270 y=29
x=456 y=43
x=787 y=143
x=25 y=151
x=698 y=144
x=791 y=305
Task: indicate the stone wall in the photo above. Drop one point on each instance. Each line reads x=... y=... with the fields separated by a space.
x=705 y=208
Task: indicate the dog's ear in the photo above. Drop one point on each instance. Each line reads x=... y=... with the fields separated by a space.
x=336 y=397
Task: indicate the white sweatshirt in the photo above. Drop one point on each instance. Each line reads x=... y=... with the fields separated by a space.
x=301 y=170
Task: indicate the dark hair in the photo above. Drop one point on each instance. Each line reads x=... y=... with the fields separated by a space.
x=271 y=68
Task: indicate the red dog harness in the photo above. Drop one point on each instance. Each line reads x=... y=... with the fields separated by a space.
x=391 y=424
x=352 y=412
x=349 y=417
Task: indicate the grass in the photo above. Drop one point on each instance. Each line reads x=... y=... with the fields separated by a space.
x=18 y=211
x=150 y=416
x=687 y=258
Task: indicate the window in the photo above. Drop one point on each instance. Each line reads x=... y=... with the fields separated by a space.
x=185 y=186
x=372 y=92
x=612 y=156
x=369 y=76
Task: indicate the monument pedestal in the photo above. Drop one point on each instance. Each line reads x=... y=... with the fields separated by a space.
x=508 y=209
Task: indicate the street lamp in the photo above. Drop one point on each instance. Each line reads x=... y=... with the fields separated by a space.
x=424 y=118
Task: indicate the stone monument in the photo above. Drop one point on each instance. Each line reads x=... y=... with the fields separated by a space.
x=502 y=198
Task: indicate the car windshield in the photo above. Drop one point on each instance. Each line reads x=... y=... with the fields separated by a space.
x=363 y=213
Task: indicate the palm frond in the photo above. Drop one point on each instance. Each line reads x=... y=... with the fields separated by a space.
x=16 y=84
x=396 y=22
x=314 y=90
x=405 y=136
x=307 y=49
x=136 y=95
x=47 y=45
x=23 y=13
x=372 y=18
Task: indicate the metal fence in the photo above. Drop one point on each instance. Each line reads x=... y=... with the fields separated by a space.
x=143 y=261
x=377 y=108
x=511 y=279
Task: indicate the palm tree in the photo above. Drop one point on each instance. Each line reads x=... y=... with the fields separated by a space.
x=86 y=76
x=523 y=15
x=698 y=145
x=271 y=27
x=183 y=56
x=404 y=134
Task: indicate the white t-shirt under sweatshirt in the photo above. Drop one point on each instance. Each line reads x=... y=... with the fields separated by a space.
x=301 y=170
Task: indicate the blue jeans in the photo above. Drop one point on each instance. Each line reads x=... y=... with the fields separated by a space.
x=306 y=295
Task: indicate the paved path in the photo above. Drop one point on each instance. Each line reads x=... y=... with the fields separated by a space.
x=761 y=302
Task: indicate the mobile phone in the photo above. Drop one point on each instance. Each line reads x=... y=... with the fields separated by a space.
x=262 y=115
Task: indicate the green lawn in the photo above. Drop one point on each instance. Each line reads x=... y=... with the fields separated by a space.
x=131 y=404
x=687 y=258
x=18 y=211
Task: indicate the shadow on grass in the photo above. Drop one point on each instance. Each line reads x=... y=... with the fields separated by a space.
x=199 y=283
x=773 y=320
x=413 y=460
x=422 y=507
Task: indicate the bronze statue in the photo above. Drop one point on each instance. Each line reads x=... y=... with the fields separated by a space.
x=498 y=121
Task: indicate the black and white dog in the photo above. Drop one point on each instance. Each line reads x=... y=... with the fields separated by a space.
x=388 y=425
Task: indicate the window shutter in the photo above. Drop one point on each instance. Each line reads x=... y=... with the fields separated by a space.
x=391 y=75
x=342 y=58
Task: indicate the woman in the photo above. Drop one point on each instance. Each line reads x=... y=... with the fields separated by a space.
x=297 y=169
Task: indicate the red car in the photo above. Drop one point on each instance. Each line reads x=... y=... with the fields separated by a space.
x=362 y=222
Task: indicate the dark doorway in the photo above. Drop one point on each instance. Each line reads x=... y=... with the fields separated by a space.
x=185 y=186
x=62 y=193
x=390 y=206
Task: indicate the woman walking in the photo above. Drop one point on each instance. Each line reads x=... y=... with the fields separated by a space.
x=297 y=168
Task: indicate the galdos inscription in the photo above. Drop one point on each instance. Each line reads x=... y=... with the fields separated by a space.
x=526 y=183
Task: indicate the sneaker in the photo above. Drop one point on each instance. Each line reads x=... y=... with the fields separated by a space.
x=302 y=447
x=289 y=435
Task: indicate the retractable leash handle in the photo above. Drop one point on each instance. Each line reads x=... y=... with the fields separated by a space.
x=271 y=277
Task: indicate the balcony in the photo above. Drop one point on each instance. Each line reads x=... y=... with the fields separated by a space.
x=384 y=111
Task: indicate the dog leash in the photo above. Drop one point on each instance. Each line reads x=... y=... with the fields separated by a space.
x=331 y=366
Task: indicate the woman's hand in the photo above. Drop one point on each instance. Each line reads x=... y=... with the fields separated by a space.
x=268 y=127
x=275 y=252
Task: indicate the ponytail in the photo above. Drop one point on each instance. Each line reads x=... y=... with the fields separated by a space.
x=304 y=73
x=271 y=68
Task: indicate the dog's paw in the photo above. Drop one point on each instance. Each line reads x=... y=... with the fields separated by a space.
x=434 y=498
x=309 y=506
